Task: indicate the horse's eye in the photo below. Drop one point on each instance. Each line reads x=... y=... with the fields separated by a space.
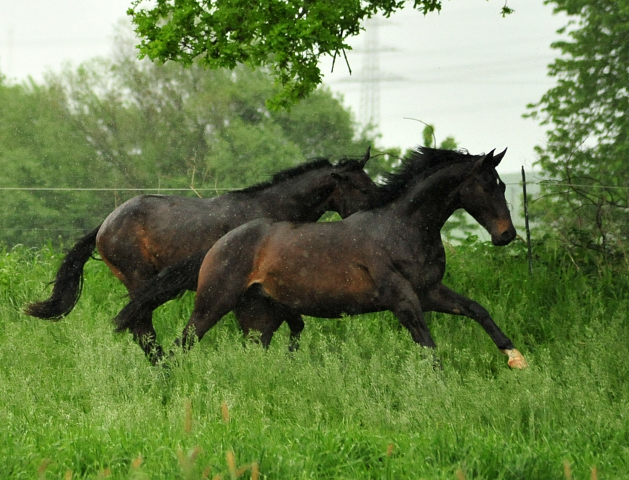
x=495 y=182
x=487 y=182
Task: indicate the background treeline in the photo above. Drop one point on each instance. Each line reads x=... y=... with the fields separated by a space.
x=587 y=140
x=120 y=125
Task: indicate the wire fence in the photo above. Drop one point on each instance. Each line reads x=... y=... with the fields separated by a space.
x=226 y=189
x=65 y=213
x=154 y=189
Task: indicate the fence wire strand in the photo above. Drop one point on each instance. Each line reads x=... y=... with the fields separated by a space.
x=229 y=189
x=217 y=190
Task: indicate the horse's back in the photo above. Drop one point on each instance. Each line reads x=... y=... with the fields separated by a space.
x=149 y=232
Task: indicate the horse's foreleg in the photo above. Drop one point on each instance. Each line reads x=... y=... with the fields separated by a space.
x=442 y=299
x=414 y=321
x=410 y=314
x=405 y=305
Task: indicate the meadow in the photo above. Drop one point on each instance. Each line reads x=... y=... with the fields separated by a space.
x=359 y=400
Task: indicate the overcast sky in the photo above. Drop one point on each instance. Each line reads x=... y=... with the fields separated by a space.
x=467 y=70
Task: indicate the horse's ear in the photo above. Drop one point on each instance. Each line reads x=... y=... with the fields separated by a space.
x=366 y=157
x=489 y=158
x=485 y=160
x=499 y=157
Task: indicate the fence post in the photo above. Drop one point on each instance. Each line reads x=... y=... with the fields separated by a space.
x=526 y=222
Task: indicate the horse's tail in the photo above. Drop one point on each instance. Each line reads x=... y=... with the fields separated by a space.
x=68 y=282
x=167 y=285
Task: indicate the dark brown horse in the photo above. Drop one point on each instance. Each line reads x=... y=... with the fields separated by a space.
x=148 y=233
x=389 y=258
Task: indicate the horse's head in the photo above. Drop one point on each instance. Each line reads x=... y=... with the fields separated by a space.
x=354 y=189
x=483 y=196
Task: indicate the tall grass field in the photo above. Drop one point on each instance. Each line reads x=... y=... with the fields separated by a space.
x=358 y=400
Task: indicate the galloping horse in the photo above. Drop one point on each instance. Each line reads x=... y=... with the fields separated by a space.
x=148 y=233
x=388 y=258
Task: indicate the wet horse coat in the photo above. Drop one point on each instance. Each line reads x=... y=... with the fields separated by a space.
x=149 y=233
x=389 y=258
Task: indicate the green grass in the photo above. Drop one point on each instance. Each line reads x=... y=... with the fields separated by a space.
x=358 y=400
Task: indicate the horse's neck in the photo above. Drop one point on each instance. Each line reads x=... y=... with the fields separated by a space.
x=433 y=200
x=295 y=199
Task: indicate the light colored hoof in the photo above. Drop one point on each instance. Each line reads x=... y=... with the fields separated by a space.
x=516 y=359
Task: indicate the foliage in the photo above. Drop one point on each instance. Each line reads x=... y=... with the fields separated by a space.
x=172 y=122
x=588 y=137
x=358 y=400
x=430 y=140
x=40 y=149
x=289 y=37
x=128 y=125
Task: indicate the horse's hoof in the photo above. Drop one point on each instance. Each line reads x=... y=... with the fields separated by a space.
x=516 y=359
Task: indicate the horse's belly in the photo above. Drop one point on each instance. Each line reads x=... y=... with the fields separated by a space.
x=324 y=292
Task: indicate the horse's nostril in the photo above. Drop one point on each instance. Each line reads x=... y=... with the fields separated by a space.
x=508 y=235
x=504 y=237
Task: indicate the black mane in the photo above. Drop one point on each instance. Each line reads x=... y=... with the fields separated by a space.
x=287 y=174
x=420 y=164
x=315 y=164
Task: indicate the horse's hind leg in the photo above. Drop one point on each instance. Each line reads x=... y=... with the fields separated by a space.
x=225 y=277
x=442 y=299
x=221 y=287
x=209 y=307
x=145 y=336
x=296 y=325
x=140 y=324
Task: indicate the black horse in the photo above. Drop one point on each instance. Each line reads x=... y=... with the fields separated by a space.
x=389 y=258
x=149 y=233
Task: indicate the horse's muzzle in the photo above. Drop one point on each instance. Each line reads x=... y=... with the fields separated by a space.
x=504 y=237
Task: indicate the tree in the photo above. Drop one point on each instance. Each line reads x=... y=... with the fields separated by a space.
x=165 y=124
x=288 y=37
x=588 y=137
x=126 y=125
x=41 y=150
x=430 y=140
